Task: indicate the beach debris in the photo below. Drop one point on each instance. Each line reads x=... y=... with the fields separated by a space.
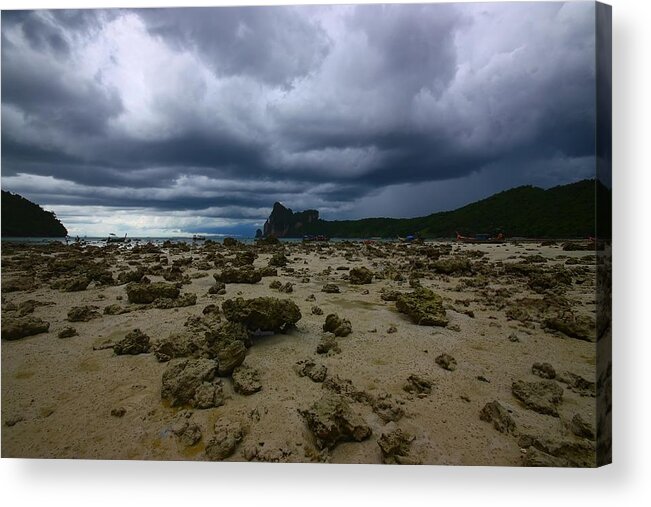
x=360 y=276
x=424 y=307
x=331 y=288
x=447 y=362
x=543 y=370
x=275 y=284
x=246 y=380
x=496 y=413
x=263 y=313
x=145 y=293
x=392 y=329
x=308 y=368
x=317 y=310
x=67 y=332
x=395 y=446
x=542 y=396
x=332 y=420
x=337 y=326
x=228 y=435
x=192 y=382
x=14 y=328
x=514 y=338
x=241 y=275
x=118 y=412
x=135 y=342
x=83 y=313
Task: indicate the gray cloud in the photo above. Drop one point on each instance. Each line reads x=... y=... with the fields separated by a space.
x=341 y=108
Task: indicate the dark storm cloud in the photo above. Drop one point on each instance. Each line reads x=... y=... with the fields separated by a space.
x=230 y=109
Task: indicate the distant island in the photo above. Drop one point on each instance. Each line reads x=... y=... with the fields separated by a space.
x=566 y=211
x=22 y=218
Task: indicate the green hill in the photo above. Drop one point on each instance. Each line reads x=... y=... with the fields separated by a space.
x=23 y=218
x=566 y=211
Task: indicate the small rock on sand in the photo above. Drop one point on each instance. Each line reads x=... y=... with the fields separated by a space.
x=246 y=380
x=447 y=362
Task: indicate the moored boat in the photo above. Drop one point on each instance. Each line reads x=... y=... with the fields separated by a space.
x=481 y=238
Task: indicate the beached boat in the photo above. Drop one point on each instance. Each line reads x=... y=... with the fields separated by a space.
x=112 y=238
x=310 y=238
x=481 y=238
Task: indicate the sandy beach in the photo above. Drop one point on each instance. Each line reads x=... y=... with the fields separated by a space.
x=507 y=377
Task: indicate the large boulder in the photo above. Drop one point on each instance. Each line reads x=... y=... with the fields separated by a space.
x=192 y=382
x=424 y=307
x=543 y=396
x=360 y=276
x=263 y=313
x=331 y=420
x=145 y=293
x=135 y=342
x=14 y=328
x=235 y=275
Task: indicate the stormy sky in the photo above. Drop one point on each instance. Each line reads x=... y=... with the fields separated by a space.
x=174 y=121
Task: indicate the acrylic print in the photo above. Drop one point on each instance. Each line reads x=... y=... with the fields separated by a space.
x=315 y=234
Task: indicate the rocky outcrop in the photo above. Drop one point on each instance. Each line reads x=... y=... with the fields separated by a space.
x=424 y=307
x=332 y=420
x=395 y=446
x=145 y=293
x=228 y=435
x=337 y=326
x=246 y=380
x=283 y=222
x=263 y=313
x=83 y=313
x=241 y=275
x=496 y=413
x=135 y=342
x=360 y=276
x=16 y=328
x=192 y=382
x=23 y=218
x=543 y=396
